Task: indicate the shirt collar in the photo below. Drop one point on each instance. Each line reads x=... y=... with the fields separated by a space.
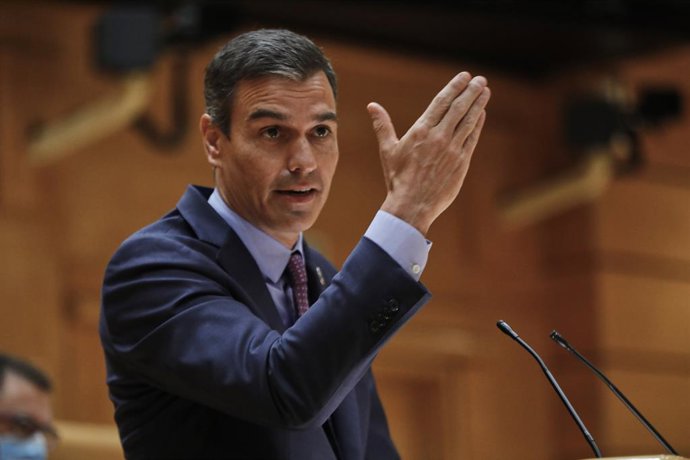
x=270 y=255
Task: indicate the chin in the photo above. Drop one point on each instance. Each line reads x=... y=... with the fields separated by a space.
x=301 y=221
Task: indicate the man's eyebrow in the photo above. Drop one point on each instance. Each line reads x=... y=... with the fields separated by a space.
x=267 y=113
x=327 y=116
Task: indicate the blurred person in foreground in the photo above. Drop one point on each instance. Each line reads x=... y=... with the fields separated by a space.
x=26 y=417
x=225 y=334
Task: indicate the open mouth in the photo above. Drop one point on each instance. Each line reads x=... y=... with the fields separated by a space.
x=304 y=192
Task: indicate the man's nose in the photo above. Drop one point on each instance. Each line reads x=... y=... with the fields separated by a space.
x=302 y=157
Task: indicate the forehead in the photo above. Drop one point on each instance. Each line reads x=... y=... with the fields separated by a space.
x=21 y=396
x=311 y=95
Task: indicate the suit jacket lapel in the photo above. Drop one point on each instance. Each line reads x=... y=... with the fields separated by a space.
x=233 y=256
x=240 y=265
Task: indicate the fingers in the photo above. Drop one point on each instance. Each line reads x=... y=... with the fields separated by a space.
x=465 y=126
x=473 y=138
x=466 y=105
x=426 y=168
x=444 y=99
x=383 y=127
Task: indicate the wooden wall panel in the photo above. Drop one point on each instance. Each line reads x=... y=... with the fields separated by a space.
x=413 y=407
x=647 y=219
x=645 y=314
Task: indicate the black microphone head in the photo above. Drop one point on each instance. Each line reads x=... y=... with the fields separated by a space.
x=558 y=338
x=506 y=329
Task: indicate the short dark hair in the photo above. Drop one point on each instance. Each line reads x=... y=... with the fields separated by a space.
x=257 y=54
x=24 y=369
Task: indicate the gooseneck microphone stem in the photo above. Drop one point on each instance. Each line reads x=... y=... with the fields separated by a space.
x=564 y=343
x=506 y=329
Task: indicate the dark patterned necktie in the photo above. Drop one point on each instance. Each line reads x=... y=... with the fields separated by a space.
x=298 y=281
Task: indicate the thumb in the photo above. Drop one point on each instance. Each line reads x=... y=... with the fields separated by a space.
x=383 y=126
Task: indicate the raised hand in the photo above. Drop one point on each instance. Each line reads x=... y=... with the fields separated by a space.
x=425 y=169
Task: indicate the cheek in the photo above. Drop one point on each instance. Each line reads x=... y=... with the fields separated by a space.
x=257 y=177
x=329 y=166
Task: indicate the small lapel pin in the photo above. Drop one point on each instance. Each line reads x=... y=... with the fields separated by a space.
x=319 y=273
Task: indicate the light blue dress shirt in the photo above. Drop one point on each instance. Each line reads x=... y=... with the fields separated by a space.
x=404 y=243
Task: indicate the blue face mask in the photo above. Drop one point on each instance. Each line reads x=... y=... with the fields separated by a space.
x=33 y=448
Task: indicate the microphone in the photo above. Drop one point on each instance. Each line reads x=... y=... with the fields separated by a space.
x=506 y=329
x=564 y=343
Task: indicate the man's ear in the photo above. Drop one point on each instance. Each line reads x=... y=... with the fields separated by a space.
x=211 y=137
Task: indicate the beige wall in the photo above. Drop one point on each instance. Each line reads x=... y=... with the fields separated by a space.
x=613 y=276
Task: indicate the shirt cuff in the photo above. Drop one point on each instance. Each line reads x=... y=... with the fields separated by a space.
x=404 y=243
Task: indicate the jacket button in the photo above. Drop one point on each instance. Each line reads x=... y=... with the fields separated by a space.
x=392 y=306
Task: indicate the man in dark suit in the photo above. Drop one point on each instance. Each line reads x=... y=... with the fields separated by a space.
x=225 y=335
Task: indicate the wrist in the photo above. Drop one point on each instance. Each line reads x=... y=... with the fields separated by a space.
x=413 y=214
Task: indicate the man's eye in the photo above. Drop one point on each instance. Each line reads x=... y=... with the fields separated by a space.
x=322 y=131
x=271 y=133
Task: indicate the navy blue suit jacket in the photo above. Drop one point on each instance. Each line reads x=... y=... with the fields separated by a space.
x=200 y=365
